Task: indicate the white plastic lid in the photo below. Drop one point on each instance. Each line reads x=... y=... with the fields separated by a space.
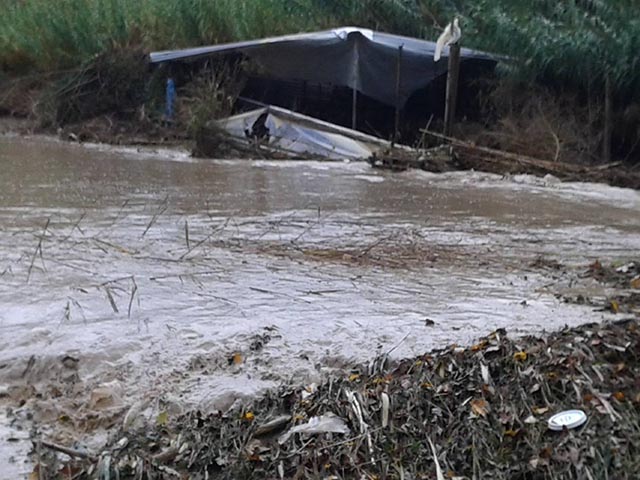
x=567 y=419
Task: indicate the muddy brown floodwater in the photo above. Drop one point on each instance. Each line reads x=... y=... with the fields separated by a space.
x=135 y=275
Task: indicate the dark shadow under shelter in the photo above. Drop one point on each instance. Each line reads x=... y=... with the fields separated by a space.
x=349 y=76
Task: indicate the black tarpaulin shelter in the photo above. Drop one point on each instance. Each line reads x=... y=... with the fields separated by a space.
x=364 y=60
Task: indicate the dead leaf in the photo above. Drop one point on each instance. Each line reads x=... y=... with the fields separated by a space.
x=520 y=356
x=64 y=418
x=534 y=462
x=615 y=306
x=619 y=396
x=236 y=359
x=353 y=377
x=635 y=283
x=249 y=416
x=162 y=419
x=480 y=407
x=512 y=433
x=505 y=418
x=439 y=474
x=540 y=410
x=546 y=452
x=488 y=389
x=254 y=449
x=484 y=373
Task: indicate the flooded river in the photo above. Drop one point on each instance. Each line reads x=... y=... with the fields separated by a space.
x=199 y=282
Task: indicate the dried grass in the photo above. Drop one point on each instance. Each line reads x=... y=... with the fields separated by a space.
x=535 y=122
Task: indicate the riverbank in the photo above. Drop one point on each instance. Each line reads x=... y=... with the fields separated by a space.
x=568 y=105
x=115 y=99
x=458 y=156
x=459 y=412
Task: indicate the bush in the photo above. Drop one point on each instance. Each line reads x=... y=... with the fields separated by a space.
x=210 y=95
x=113 y=82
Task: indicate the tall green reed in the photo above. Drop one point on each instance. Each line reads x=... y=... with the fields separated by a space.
x=573 y=42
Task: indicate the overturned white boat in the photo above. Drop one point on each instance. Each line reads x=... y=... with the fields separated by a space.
x=279 y=132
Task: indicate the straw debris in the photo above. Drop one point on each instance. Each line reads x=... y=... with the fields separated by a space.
x=484 y=407
x=624 y=278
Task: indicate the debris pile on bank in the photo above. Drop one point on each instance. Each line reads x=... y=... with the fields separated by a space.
x=626 y=275
x=112 y=82
x=455 y=154
x=484 y=408
x=625 y=278
x=437 y=159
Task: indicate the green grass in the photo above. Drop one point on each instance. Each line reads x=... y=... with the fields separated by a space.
x=50 y=35
x=55 y=35
x=572 y=42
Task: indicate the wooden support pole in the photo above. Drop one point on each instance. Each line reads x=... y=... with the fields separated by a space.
x=303 y=104
x=354 y=108
x=608 y=120
x=452 y=88
x=396 y=128
x=354 y=87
